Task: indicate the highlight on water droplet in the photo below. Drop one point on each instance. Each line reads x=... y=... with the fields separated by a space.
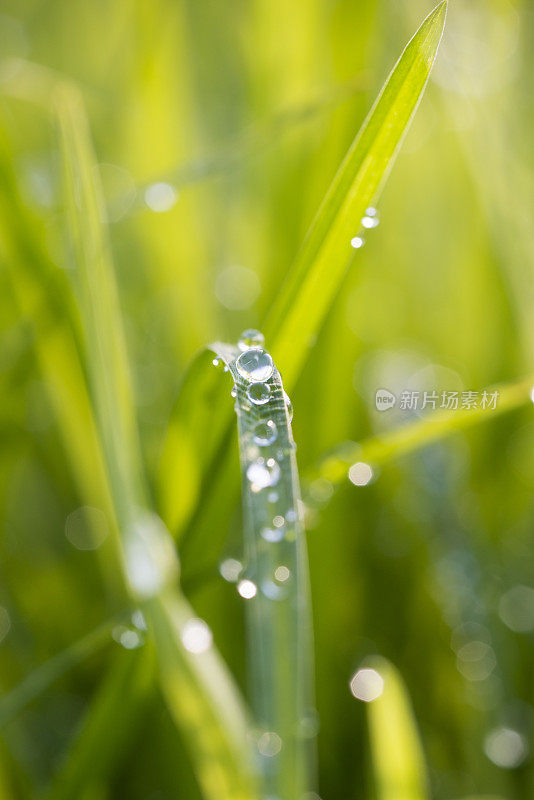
x=250 y=339
x=255 y=365
x=196 y=636
x=258 y=393
x=160 y=196
x=357 y=242
x=360 y=474
x=265 y=432
x=233 y=392
x=269 y=744
x=272 y=534
x=371 y=218
x=230 y=569
x=247 y=589
x=262 y=473
x=367 y=685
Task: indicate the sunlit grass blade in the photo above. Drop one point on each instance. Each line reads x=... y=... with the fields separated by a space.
x=38 y=681
x=399 y=768
x=274 y=581
x=379 y=449
x=116 y=711
x=326 y=254
x=218 y=744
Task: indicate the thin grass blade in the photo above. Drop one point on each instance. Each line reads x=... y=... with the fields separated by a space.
x=326 y=254
x=274 y=581
x=399 y=767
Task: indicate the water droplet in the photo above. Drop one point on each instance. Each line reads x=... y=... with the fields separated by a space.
x=360 y=474
x=127 y=638
x=247 y=589
x=258 y=393
x=160 y=197
x=289 y=406
x=505 y=747
x=251 y=338
x=272 y=534
x=269 y=744
x=265 y=432
x=371 y=218
x=196 y=636
x=282 y=573
x=367 y=685
x=233 y=392
x=230 y=569
x=357 y=242
x=263 y=473
x=255 y=365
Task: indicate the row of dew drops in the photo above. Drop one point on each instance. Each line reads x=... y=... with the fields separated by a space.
x=370 y=220
x=256 y=367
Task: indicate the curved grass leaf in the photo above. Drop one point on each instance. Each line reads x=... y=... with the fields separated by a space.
x=379 y=449
x=205 y=703
x=326 y=254
x=399 y=768
x=274 y=581
x=319 y=269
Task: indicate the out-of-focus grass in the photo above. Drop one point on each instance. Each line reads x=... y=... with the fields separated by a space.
x=420 y=559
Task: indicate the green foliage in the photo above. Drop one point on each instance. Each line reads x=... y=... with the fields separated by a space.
x=218 y=131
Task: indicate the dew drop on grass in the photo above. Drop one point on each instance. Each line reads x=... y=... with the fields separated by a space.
x=371 y=218
x=258 y=393
x=272 y=534
x=196 y=636
x=230 y=569
x=247 y=589
x=265 y=432
x=255 y=365
x=289 y=406
x=233 y=392
x=263 y=473
x=357 y=242
x=269 y=744
x=251 y=338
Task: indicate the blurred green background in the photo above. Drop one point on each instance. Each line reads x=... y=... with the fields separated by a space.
x=218 y=127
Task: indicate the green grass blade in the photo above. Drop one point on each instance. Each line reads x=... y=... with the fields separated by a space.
x=326 y=254
x=274 y=581
x=378 y=450
x=116 y=709
x=38 y=681
x=206 y=706
x=398 y=761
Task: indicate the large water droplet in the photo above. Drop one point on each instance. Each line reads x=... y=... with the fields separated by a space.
x=371 y=218
x=265 y=432
x=357 y=242
x=263 y=473
x=289 y=406
x=255 y=365
x=258 y=393
x=251 y=338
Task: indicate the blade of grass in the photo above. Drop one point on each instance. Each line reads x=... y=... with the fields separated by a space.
x=379 y=449
x=399 y=767
x=319 y=268
x=318 y=271
x=206 y=705
x=274 y=582
x=116 y=709
x=38 y=681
